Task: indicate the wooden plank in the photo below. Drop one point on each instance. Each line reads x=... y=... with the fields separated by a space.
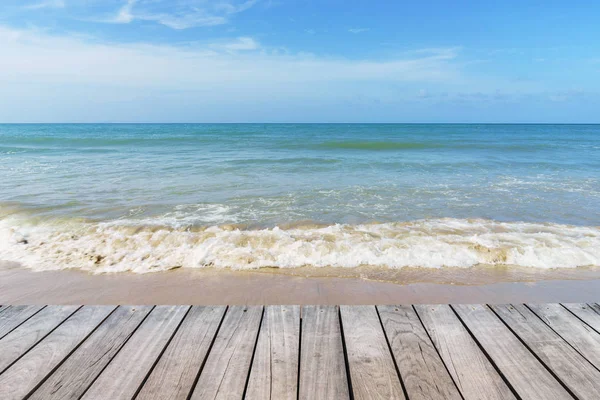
x=79 y=370
x=14 y=316
x=31 y=369
x=174 y=375
x=372 y=370
x=424 y=374
x=274 y=372
x=474 y=375
x=568 y=365
x=127 y=371
x=595 y=307
x=587 y=313
x=527 y=376
x=26 y=335
x=322 y=364
x=227 y=367
x=578 y=334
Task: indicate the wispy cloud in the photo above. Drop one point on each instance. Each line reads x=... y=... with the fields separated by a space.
x=35 y=55
x=178 y=14
x=230 y=8
x=358 y=30
x=124 y=15
x=50 y=77
x=239 y=44
x=45 y=4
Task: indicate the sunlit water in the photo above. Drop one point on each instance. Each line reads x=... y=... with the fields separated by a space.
x=153 y=197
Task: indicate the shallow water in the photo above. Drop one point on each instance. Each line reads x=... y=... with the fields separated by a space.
x=153 y=197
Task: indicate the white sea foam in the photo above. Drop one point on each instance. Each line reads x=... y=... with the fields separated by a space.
x=115 y=247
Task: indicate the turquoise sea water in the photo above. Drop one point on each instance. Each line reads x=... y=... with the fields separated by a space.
x=143 y=197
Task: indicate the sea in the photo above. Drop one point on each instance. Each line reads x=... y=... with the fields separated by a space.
x=153 y=197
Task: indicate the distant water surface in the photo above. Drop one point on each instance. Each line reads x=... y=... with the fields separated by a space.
x=152 y=197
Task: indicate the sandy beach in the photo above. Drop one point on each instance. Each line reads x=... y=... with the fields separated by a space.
x=211 y=286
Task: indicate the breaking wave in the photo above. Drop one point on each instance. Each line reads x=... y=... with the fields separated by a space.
x=125 y=246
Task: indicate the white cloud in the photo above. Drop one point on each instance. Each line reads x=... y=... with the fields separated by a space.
x=230 y=8
x=46 y=4
x=47 y=77
x=124 y=16
x=358 y=30
x=36 y=56
x=179 y=14
x=184 y=21
x=239 y=44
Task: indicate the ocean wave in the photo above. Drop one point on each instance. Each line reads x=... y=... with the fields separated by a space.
x=119 y=247
x=395 y=145
x=363 y=145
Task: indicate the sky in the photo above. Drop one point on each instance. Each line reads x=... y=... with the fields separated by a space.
x=299 y=61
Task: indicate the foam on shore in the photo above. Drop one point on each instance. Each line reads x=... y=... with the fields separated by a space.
x=124 y=246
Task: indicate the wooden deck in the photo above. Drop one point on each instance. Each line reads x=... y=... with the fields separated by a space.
x=548 y=351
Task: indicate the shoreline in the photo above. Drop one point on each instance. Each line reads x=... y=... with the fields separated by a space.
x=212 y=286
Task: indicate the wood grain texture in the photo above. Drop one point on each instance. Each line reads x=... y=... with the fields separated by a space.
x=578 y=334
x=595 y=307
x=322 y=364
x=181 y=352
x=587 y=313
x=79 y=370
x=567 y=364
x=421 y=368
x=372 y=370
x=26 y=335
x=127 y=371
x=14 y=316
x=274 y=372
x=174 y=375
x=227 y=368
x=528 y=377
x=31 y=369
x=474 y=375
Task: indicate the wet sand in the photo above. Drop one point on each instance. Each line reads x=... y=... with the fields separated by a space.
x=211 y=286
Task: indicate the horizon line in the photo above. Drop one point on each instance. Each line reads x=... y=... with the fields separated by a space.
x=300 y=123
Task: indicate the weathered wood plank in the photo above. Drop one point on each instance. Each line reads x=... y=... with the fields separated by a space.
x=578 y=334
x=174 y=375
x=421 y=368
x=79 y=370
x=227 y=367
x=372 y=370
x=474 y=375
x=274 y=372
x=595 y=307
x=528 y=377
x=586 y=313
x=89 y=353
x=14 y=316
x=31 y=369
x=26 y=335
x=570 y=367
x=322 y=364
x=128 y=369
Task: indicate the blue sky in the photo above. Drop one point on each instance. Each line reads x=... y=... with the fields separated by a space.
x=299 y=61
